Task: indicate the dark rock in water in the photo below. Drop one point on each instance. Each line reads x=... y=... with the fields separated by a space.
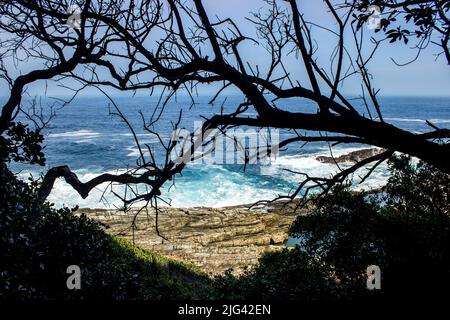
x=354 y=156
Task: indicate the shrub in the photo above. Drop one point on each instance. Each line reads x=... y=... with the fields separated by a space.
x=404 y=229
x=38 y=243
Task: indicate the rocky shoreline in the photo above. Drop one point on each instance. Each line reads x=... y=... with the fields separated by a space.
x=351 y=157
x=213 y=239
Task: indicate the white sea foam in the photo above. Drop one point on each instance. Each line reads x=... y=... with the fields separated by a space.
x=154 y=138
x=215 y=185
x=294 y=168
x=418 y=120
x=75 y=134
x=100 y=197
x=221 y=189
x=134 y=152
x=218 y=192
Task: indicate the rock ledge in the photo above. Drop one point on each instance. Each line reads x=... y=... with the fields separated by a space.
x=213 y=239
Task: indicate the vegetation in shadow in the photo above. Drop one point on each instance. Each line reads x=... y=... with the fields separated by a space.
x=38 y=243
x=405 y=230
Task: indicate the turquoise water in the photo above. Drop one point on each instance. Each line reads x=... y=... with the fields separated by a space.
x=85 y=136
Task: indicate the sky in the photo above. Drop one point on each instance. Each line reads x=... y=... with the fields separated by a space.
x=424 y=77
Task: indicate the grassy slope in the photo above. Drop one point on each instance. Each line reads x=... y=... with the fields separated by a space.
x=166 y=278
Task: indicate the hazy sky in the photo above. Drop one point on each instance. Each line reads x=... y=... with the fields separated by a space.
x=424 y=77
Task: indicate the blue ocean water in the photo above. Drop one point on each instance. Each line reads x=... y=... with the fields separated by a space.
x=85 y=136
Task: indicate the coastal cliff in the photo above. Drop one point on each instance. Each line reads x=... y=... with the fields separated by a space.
x=213 y=239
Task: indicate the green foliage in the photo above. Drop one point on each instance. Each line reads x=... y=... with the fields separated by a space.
x=405 y=230
x=20 y=144
x=402 y=22
x=285 y=275
x=38 y=243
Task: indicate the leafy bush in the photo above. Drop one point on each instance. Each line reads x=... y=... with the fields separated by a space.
x=284 y=275
x=405 y=230
x=38 y=243
x=21 y=144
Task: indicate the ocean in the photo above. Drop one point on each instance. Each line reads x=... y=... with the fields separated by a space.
x=85 y=136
